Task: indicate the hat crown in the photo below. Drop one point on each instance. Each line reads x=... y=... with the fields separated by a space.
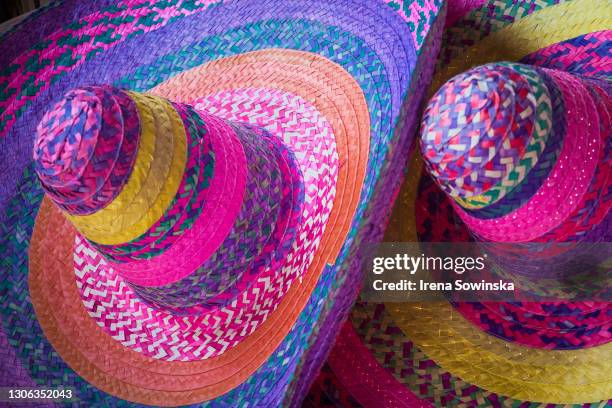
x=84 y=148
x=539 y=172
x=67 y=136
x=480 y=124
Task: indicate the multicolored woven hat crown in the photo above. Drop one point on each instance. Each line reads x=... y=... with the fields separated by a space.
x=190 y=228
x=497 y=354
x=517 y=170
x=522 y=151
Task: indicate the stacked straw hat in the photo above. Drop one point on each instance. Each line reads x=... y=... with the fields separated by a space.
x=516 y=143
x=522 y=151
x=196 y=224
x=187 y=186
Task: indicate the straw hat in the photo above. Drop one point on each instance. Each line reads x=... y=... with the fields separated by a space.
x=185 y=186
x=528 y=139
x=499 y=354
x=199 y=278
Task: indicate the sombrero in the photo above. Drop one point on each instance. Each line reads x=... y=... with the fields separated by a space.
x=186 y=184
x=499 y=354
x=509 y=105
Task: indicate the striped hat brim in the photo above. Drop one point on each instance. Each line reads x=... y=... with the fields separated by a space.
x=352 y=61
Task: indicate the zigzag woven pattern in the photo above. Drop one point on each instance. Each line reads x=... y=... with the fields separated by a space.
x=529 y=185
x=21 y=73
x=513 y=176
x=420 y=16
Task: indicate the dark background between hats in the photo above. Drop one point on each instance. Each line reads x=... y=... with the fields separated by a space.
x=13 y=8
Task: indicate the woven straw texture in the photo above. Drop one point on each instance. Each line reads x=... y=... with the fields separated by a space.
x=497 y=354
x=321 y=96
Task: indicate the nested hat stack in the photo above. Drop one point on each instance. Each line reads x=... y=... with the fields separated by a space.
x=515 y=147
x=522 y=152
x=186 y=188
x=184 y=219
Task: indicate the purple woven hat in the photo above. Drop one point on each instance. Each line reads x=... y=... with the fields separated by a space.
x=209 y=171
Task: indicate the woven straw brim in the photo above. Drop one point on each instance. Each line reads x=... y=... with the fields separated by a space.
x=376 y=216
x=426 y=377
x=559 y=326
x=328 y=391
x=403 y=353
x=365 y=373
x=542 y=28
x=575 y=376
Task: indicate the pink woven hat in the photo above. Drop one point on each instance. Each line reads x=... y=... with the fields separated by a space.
x=194 y=259
x=497 y=354
x=523 y=155
x=522 y=152
x=199 y=217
